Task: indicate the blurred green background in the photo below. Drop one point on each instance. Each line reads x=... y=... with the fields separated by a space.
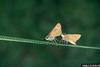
x=33 y=19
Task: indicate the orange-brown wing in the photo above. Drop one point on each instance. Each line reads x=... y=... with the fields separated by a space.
x=72 y=38
x=56 y=30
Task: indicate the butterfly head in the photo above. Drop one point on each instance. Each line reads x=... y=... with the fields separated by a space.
x=50 y=38
x=63 y=37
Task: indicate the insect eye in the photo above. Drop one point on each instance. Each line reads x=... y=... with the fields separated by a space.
x=49 y=38
x=46 y=37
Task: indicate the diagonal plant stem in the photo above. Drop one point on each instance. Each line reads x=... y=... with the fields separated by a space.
x=16 y=39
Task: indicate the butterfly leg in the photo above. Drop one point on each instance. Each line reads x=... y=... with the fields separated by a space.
x=55 y=41
x=66 y=42
x=61 y=41
x=50 y=42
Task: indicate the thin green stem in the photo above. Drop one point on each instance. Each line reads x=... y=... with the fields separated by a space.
x=16 y=39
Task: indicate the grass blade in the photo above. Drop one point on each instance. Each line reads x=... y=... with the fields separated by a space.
x=16 y=39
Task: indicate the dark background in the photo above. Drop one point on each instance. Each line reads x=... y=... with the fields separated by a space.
x=33 y=19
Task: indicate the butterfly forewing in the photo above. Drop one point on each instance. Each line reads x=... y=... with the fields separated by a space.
x=72 y=38
x=56 y=31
